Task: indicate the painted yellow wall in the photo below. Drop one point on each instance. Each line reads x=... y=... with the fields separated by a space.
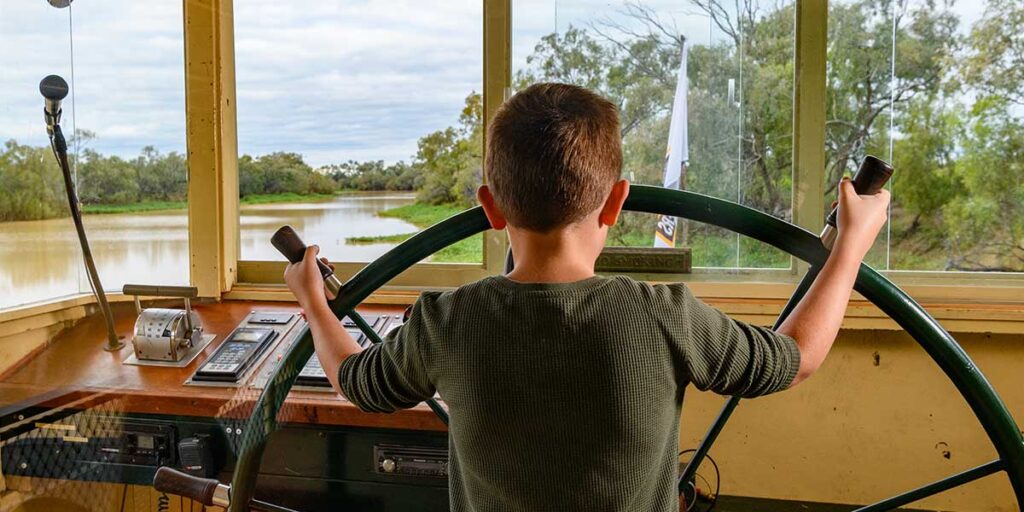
x=858 y=431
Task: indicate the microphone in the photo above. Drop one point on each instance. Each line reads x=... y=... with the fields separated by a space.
x=54 y=89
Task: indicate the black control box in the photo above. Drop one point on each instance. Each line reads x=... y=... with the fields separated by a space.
x=421 y=461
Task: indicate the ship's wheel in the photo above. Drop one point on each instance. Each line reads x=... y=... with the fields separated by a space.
x=989 y=409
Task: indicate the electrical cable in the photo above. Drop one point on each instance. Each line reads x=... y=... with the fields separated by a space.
x=718 y=483
x=124 y=496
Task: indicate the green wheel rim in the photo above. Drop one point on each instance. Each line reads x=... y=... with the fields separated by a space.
x=990 y=410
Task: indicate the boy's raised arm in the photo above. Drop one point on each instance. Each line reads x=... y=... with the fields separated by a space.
x=383 y=378
x=333 y=343
x=815 y=321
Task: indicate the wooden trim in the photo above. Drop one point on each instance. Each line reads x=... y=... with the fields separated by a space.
x=497 y=33
x=760 y=303
x=212 y=144
x=809 y=90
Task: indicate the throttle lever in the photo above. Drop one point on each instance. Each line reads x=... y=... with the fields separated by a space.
x=207 y=491
x=287 y=241
x=872 y=175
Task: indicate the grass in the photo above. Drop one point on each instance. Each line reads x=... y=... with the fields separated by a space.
x=709 y=248
x=284 y=197
x=470 y=250
x=383 y=239
x=143 y=206
x=155 y=206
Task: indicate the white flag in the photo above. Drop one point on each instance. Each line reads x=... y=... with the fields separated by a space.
x=677 y=155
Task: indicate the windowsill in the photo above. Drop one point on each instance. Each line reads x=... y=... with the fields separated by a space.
x=977 y=310
x=961 y=305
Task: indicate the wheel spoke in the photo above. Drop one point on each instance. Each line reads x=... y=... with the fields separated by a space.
x=935 y=487
x=361 y=323
x=730 y=405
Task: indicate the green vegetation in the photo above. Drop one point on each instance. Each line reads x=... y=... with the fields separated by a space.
x=33 y=187
x=421 y=214
x=141 y=206
x=382 y=239
x=425 y=215
x=154 y=206
x=954 y=102
x=285 y=197
x=952 y=106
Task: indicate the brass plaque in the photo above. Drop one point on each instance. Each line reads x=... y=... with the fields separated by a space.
x=647 y=260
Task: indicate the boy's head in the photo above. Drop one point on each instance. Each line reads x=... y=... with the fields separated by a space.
x=553 y=155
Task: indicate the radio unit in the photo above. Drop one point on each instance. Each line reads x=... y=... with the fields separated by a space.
x=411 y=460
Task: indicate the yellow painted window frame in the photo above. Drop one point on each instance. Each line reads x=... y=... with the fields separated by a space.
x=213 y=203
x=982 y=302
x=808 y=177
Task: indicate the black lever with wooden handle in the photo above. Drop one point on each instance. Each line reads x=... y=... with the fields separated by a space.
x=287 y=241
x=207 y=491
x=872 y=175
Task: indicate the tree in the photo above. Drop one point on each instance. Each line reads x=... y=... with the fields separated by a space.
x=451 y=160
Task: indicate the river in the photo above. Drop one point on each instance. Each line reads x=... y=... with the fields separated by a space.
x=41 y=260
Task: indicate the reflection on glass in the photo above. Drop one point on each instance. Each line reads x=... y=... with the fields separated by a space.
x=929 y=87
x=37 y=38
x=125 y=122
x=344 y=97
x=738 y=109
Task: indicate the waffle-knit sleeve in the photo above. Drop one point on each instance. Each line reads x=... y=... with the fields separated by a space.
x=719 y=353
x=389 y=376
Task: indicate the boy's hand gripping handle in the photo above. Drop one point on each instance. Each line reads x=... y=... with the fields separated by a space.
x=291 y=246
x=873 y=174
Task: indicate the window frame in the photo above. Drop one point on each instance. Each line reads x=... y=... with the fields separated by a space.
x=215 y=264
x=810 y=53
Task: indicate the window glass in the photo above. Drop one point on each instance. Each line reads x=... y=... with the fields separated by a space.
x=359 y=123
x=125 y=124
x=935 y=88
x=737 y=111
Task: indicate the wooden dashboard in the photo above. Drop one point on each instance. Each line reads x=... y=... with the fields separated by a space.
x=74 y=371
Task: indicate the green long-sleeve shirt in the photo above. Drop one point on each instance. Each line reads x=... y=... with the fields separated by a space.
x=565 y=396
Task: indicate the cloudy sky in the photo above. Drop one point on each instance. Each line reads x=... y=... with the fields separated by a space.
x=332 y=80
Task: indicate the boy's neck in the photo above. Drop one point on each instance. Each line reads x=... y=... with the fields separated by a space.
x=561 y=256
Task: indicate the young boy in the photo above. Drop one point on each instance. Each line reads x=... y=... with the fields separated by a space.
x=564 y=387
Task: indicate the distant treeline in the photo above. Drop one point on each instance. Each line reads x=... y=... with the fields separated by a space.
x=374 y=175
x=31 y=185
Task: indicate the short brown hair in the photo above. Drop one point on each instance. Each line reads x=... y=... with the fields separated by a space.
x=553 y=153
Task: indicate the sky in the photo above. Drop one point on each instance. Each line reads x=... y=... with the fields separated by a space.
x=333 y=80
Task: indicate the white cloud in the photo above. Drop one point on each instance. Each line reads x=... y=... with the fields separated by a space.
x=333 y=80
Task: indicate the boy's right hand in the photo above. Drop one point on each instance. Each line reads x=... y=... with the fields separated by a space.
x=860 y=219
x=305 y=281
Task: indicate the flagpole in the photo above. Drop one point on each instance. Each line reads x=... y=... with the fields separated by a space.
x=677 y=155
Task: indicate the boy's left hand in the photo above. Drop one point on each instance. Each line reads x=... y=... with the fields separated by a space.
x=304 y=279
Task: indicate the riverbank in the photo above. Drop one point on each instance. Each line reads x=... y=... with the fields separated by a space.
x=154 y=206
x=422 y=215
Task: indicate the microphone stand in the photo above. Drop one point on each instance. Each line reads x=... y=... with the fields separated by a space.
x=60 y=151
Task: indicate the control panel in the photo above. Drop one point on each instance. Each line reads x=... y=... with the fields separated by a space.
x=83 y=442
x=313 y=375
x=242 y=349
x=149 y=445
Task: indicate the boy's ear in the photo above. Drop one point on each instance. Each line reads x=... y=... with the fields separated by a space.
x=494 y=215
x=613 y=205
